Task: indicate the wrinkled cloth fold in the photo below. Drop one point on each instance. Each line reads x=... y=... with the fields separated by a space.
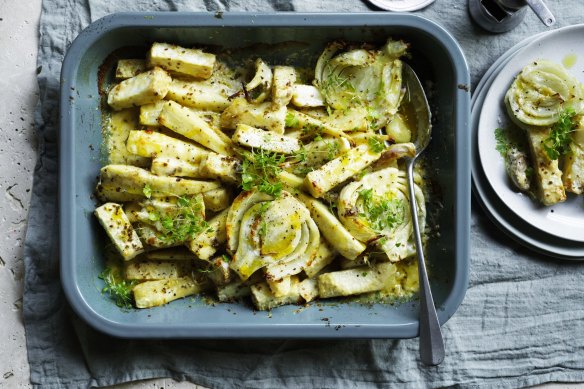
x=521 y=323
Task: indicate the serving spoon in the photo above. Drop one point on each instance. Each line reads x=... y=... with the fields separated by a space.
x=431 y=342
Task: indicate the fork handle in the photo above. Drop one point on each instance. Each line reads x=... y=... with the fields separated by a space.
x=431 y=341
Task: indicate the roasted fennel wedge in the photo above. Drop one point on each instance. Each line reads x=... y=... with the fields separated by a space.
x=268 y=232
x=349 y=78
x=375 y=210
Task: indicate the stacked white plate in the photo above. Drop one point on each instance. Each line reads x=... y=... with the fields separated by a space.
x=557 y=230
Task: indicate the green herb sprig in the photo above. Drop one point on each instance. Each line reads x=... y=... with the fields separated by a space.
x=558 y=142
x=301 y=155
x=260 y=169
x=503 y=141
x=380 y=212
x=182 y=224
x=118 y=289
x=376 y=145
x=332 y=148
x=509 y=139
x=147 y=191
x=291 y=120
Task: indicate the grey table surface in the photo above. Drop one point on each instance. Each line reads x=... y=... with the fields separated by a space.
x=18 y=47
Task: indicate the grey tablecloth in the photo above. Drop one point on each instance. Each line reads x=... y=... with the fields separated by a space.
x=522 y=322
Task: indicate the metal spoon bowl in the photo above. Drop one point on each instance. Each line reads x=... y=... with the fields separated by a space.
x=431 y=341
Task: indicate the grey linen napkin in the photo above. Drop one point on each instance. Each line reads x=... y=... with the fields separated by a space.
x=522 y=322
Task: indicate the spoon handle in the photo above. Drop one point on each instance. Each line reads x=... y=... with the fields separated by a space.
x=542 y=11
x=431 y=342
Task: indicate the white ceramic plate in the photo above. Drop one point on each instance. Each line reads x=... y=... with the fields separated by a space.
x=565 y=220
x=499 y=213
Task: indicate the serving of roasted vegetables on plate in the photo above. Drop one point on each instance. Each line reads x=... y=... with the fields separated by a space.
x=544 y=153
x=279 y=183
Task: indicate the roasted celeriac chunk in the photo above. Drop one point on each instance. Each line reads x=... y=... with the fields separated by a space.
x=190 y=62
x=573 y=177
x=145 y=88
x=148 y=270
x=221 y=275
x=548 y=176
x=263 y=115
x=221 y=167
x=283 y=85
x=167 y=166
x=354 y=281
x=128 y=68
x=263 y=298
x=325 y=178
x=117 y=226
x=265 y=140
x=233 y=291
x=217 y=199
x=151 y=144
x=172 y=254
x=134 y=180
x=280 y=287
x=205 y=245
x=149 y=113
x=517 y=164
x=153 y=293
x=290 y=180
x=119 y=127
x=196 y=94
x=324 y=256
x=308 y=289
x=306 y=96
x=311 y=126
x=192 y=125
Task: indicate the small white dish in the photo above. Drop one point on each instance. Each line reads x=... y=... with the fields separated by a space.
x=565 y=220
x=401 y=5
